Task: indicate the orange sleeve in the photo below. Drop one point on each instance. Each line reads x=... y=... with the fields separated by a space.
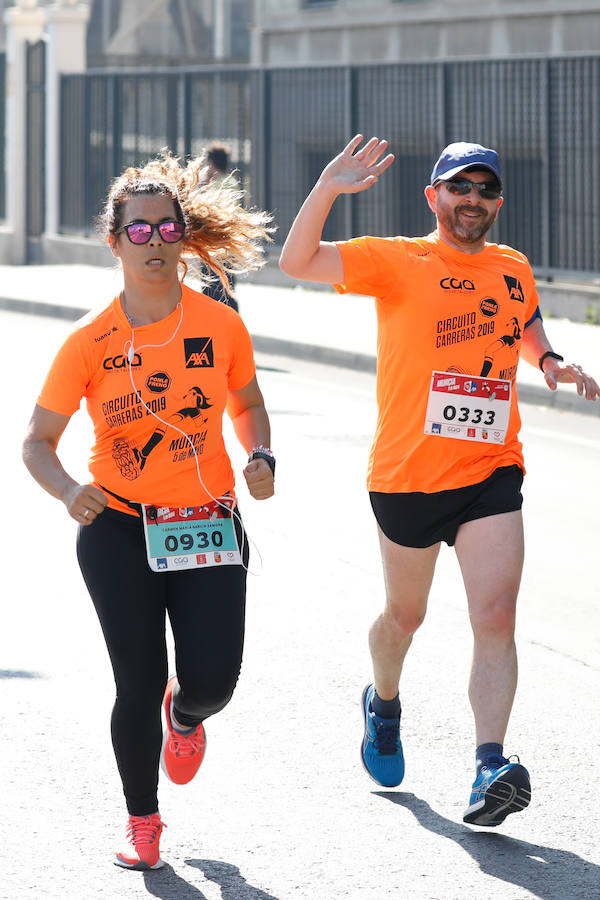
x=371 y=265
x=67 y=381
x=242 y=366
x=533 y=299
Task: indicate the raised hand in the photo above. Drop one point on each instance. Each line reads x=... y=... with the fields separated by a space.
x=355 y=170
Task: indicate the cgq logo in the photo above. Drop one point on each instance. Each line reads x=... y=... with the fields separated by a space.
x=119 y=362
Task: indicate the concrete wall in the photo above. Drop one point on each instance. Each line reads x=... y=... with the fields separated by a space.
x=288 y=32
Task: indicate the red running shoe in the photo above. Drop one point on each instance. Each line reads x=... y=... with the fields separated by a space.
x=142 y=850
x=181 y=754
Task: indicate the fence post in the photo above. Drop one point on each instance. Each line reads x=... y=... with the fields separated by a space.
x=24 y=24
x=66 y=22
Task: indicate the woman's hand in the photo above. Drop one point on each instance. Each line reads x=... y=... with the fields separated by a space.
x=84 y=502
x=260 y=479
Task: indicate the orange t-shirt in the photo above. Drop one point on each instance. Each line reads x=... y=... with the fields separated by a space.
x=438 y=309
x=181 y=371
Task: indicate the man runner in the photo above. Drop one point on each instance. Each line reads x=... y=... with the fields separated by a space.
x=446 y=463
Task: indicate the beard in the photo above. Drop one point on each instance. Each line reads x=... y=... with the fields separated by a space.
x=463 y=230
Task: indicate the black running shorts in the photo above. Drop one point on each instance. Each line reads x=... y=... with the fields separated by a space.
x=421 y=520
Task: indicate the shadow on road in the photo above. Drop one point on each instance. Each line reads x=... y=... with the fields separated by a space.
x=229 y=878
x=544 y=871
x=18 y=673
x=167 y=885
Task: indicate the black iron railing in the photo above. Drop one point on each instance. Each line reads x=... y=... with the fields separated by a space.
x=283 y=125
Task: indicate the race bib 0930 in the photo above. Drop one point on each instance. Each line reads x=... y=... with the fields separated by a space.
x=190 y=537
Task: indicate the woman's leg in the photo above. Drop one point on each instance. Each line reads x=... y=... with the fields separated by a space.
x=130 y=602
x=207 y=611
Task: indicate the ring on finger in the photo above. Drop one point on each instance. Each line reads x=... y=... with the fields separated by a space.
x=86 y=513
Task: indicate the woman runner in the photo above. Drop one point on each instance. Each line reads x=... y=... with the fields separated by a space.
x=159 y=527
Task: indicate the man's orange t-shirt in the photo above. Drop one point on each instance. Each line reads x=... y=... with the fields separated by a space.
x=438 y=309
x=180 y=371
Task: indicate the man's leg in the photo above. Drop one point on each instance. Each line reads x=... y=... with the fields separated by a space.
x=490 y=554
x=408 y=573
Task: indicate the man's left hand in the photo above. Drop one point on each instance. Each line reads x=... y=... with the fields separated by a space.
x=573 y=374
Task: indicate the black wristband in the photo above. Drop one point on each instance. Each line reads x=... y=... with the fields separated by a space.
x=549 y=354
x=262 y=454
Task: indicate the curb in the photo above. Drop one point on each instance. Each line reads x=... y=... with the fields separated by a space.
x=329 y=356
x=41 y=308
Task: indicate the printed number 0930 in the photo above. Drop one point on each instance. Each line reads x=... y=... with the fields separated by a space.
x=477 y=415
x=187 y=541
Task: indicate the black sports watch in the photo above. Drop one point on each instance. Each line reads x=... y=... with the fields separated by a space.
x=265 y=453
x=549 y=354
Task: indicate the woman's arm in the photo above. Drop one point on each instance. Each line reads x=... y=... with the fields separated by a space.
x=246 y=409
x=83 y=501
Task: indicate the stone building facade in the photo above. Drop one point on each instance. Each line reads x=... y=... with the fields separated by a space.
x=318 y=32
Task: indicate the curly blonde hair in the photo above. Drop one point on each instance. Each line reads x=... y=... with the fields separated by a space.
x=219 y=231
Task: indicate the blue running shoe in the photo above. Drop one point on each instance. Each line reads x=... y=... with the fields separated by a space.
x=500 y=788
x=381 y=749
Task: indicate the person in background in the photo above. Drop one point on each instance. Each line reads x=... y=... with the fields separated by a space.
x=217 y=173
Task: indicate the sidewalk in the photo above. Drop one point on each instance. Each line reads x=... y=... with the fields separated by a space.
x=317 y=325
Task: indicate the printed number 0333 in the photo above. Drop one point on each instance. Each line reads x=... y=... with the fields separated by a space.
x=477 y=415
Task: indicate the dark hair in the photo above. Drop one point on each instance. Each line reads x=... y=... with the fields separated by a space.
x=218 y=155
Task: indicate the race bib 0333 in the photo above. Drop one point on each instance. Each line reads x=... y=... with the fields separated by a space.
x=468 y=407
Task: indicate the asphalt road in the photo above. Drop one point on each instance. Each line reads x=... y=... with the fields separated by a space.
x=281 y=809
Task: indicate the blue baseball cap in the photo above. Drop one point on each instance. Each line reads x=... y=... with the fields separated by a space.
x=461 y=156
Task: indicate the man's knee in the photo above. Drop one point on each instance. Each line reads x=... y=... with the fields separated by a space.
x=495 y=616
x=403 y=620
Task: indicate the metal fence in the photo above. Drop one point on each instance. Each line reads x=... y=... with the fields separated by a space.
x=2 y=135
x=283 y=125
x=110 y=121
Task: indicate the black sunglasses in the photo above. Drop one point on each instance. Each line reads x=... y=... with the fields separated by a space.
x=489 y=190
x=141 y=232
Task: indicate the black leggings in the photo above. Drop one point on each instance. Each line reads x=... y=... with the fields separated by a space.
x=206 y=608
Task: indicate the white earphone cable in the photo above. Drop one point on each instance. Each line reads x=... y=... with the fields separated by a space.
x=129 y=351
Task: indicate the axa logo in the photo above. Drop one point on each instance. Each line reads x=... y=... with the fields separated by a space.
x=455 y=284
x=198 y=353
x=515 y=290
x=119 y=362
